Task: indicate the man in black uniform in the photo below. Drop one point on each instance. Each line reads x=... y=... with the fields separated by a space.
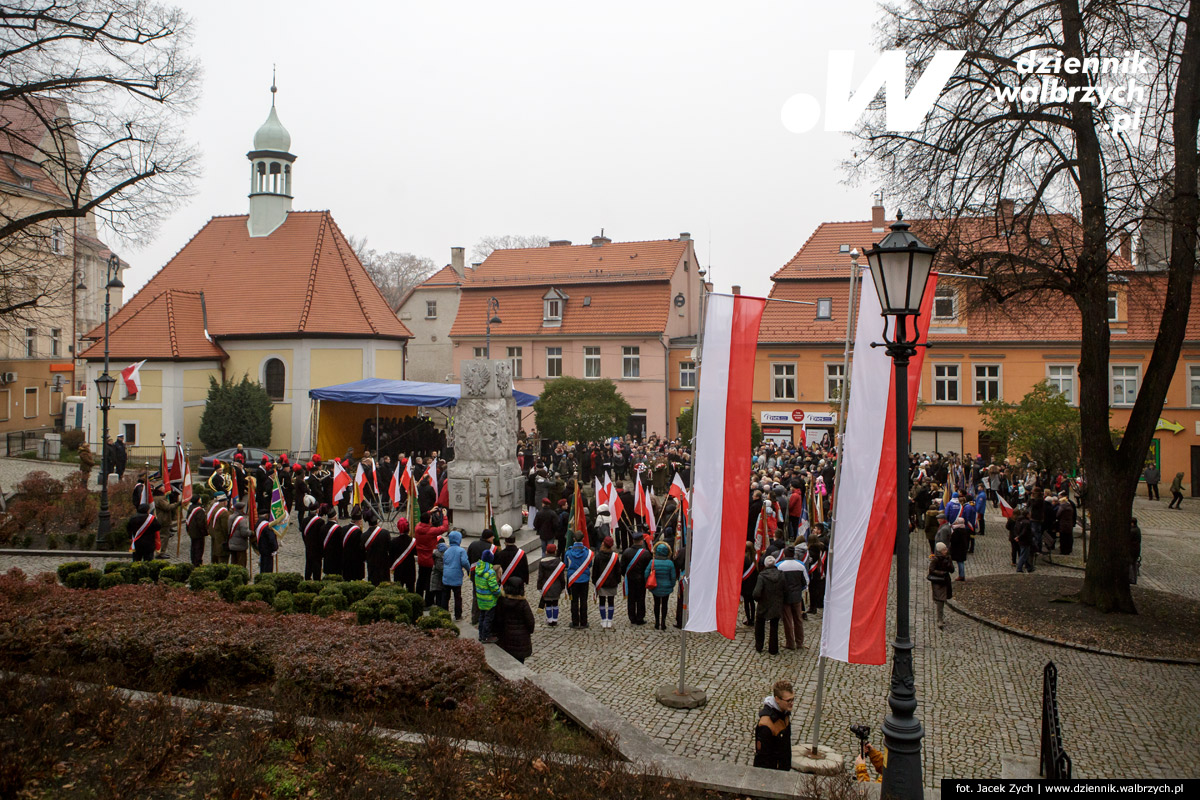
x=354 y=557
x=633 y=570
x=143 y=530
x=197 y=528
x=312 y=533
x=509 y=554
x=377 y=544
x=331 y=544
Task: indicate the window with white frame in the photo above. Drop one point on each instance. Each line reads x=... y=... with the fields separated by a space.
x=945 y=383
x=431 y=309
x=275 y=379
x=824 y=308
x=31 y=402
x=553 y=362
x=514 y=357
x=480 y=352
x=687 y=374
x=56 y=341
x=554 y=309
x=835 y=380
x=631 y=362
x=31 y=342
x=987 y=382
x=1062 y=378
x=783 y=381
x=56 y=239
x=945 y=303
x=130 y=430
x=1113 y=307
x=1194 y=385
x=1124 y=384
x=591 y=362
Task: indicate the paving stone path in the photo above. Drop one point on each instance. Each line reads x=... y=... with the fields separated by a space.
x=979 y=689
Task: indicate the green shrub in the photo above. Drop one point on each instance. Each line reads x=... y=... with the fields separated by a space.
x=365 y=612
x=177 y=573
x=227 y=589
x=303 y=601
x=169 y=582
x=390 y=612
x=287 y=581
x=326 y=604
x=141 y=569
x=355 y=590
x=253 y=597
x=436 y=622
x=52 y=542
x=156 y=566
x=331 y=589
x=262 y=591
x=284 y=602
x=238 y=574
x=112 y=579
x=113 y=566
x=312 y=587
x=72 y=566
x=72 y=439
x=332 y=577
x=215 y=572
x=84 y=579
x=417 y=603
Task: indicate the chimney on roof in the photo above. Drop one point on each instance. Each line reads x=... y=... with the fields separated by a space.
x=737 y=289
x=560 y=242
x=1127 y=246
x=685 y=236
x=878 y=219
x=1007 y=212
x=458 y=257
x=601 y=240
x=475 y=264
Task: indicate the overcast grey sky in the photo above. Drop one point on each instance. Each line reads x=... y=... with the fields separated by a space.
x=428 y=125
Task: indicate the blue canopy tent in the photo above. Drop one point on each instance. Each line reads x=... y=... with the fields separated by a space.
x=347 y=406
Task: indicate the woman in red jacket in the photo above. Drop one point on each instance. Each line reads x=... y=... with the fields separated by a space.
x=426 y=537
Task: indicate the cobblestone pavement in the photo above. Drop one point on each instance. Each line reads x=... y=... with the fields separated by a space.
x=14 y=470
x=979 y=689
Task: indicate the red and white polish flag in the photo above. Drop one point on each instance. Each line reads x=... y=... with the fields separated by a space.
x=341 y=480
x=132 y=375
x=853 y=627
x=720 y=488
x=1005 y=508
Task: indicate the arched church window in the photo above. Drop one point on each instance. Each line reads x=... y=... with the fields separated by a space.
x=275 y=374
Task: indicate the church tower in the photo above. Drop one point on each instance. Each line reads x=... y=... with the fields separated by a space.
x=270 y=175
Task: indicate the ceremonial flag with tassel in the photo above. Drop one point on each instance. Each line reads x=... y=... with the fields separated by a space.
x=579 y=515
x=185 y=474
x=279 y=512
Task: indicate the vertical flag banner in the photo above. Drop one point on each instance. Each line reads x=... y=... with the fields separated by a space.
x=185 y=474
x=132 y=376
x=341 y=480
x=721 y=478
x=853 y=627
x=279 y=513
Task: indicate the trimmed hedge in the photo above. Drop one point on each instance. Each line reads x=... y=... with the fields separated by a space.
x=71 y=566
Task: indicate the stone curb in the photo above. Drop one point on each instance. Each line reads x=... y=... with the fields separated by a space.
x=69 y=553
x=1191 y=662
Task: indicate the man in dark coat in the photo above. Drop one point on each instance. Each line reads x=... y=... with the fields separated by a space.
x=354 y=557
x=509 y=554
x=1066 y=524
x=770 y=593
x=626 y=526
x=378 y=545
x=120 y=457
x=267 y=544
x=773 y=733
x=331 y=543
x=197 y=528
x=546 y=524
x=633 y=568
x=514 y=620
x=143 y=530
x=312 y=533
x=426 y=496
x=404 y=556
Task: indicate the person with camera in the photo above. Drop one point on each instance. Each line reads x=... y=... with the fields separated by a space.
x=773 y=733
x=429 y=529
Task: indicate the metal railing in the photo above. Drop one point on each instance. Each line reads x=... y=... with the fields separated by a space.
x=1055 y=764
x=17 y=442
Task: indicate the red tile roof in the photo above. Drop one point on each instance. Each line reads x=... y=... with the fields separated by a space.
x=169 y=327
x=23 y=133
x=1052 y=318
x=624 y=309
x=446 y=276
x=633 y=262
x=302 y=280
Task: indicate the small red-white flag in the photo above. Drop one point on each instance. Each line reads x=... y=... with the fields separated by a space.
x=433 y=474
x=181 y=466
x=394 y=489
x=1005 y=508
x=406 y=479
x=133 y=377
x=614 y=500
x=341 y=480
x=679 y=492
x=360 y=480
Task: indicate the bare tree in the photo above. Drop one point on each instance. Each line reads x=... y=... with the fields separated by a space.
x=92 y=99
x=394 y=273
x=1083 y=174
x=484 y=247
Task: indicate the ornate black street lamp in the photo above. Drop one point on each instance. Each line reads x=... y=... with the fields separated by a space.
x=900 y=267
x=493 y=319
x=104 y=389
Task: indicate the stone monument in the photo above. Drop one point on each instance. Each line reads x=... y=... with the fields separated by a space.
x=485 y=449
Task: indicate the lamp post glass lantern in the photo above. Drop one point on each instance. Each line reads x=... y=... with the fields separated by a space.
x=493 y=318
x=900 y=266
x=104 y=389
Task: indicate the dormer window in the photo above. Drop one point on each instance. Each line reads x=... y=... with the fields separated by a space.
x=552 y=308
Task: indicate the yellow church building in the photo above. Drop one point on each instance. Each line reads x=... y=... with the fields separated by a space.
x=276 y=294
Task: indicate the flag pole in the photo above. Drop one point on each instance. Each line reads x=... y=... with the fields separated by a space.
x=682 y=689
x=851 y=313
x=179 y=519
